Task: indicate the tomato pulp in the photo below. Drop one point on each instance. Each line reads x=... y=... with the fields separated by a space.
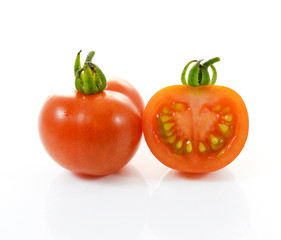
x=196 y=129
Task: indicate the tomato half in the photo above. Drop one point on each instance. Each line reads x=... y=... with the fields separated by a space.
x=90 y=134
x=196 y=129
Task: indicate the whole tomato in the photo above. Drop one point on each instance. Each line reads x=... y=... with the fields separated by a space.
x=91 y=131
x=120 y=85
x=196 y=127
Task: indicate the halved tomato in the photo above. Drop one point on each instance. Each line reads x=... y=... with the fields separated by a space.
x=196 y=129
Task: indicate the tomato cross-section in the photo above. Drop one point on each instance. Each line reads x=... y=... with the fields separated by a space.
x=195 y=129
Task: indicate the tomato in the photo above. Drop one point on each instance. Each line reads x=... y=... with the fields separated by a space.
x=94 y=134
x=196 y=129
x=124 y=87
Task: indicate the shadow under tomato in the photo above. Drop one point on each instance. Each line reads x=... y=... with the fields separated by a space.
x=107 y=207
x=208 y=206
x=86 y=177
x=220 y=175
x=190 y=176
x=123 y=172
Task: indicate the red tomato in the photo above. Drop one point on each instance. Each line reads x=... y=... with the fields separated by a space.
x=94 y=134
x=92 y=131
x=195 y=129
x=124 y=87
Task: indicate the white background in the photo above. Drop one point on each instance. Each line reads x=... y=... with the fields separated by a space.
x=147 y=43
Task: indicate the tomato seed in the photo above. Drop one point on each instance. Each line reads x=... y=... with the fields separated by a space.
x=227 y=118
x=166 y=110
x=188 y=147
x=201 y=147
x=214 y=139
x=180 y=107
x=168 y=134
x=165 y=118
x=168 y=126
x=224 y=128
x=171 y=139
x=179 y=144
x=216 y=108
x=226 y=110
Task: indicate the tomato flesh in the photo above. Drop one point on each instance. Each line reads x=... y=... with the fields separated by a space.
x=196 y=129
x=176 y=128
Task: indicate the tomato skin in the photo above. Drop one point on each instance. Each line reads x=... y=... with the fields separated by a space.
x=196 y=97
x=90 y=134
x=122 y=86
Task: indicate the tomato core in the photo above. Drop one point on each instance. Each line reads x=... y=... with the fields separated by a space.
x=214 y=126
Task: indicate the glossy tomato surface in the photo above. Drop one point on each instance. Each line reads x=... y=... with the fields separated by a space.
x=196 y=129
x=122 y=86
x=90 y=134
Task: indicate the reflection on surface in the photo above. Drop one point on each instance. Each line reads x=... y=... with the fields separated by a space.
x=204 y=206
x=109 y=207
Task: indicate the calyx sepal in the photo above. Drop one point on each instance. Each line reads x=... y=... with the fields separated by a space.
x=198 y=74
x=89 y=79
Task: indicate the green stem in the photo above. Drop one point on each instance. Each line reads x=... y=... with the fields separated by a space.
x=101 y=79
x=198 y=74
x=194 y=74
x=214 y=77
x=77 y=64
x=205 y=76
x=78 y=82
x=89 y=79
x=211 y=62
x=183 y=75
x=90 y=56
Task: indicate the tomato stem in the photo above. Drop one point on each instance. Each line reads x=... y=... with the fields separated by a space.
x=198 y=74
x=89 y=79
x=194 y=74
x=77 y=64
x=211 y=61
x=90 y=56
x=183 y=80
x=205 y=77
x=214 y=77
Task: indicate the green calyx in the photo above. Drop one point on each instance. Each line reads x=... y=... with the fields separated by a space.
x=198 y=74
x=89 y=79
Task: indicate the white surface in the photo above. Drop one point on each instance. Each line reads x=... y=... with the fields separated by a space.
x=147 y=43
